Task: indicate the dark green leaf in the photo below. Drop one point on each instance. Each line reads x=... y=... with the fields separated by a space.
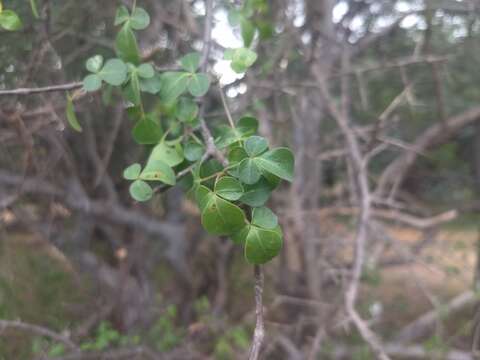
x=236 y=155
x=139 y=19
x=247 y=125
x=248 y=171
x=10 y=21
x=92 y=82
x=70 y=114
x=257 y=194
x=262 y=245
x=94 y=64
x=114 y=72
x=140 y=190
x=198 y=84
x=157 y=170
x=190 y=62
x=229 y=188
x=221 y=217
x=132 y=172
x=264 y=218
x=255 y=145
x=126 y=45
x=147 y=131
x=279 y=162
x=241 y=236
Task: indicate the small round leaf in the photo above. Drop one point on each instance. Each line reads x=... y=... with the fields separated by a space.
x=92 y=82
x=264 y=218
x=139 y=19
x=132 y=172
x=114 y=72
x=140 y=190
x=94 y=64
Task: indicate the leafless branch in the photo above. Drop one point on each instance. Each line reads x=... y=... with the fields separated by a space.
x=53 y=88
x=259 y=332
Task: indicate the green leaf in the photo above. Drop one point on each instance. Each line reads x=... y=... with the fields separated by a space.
x=257 y=194
x=229 y=188
x=94 y=64
x=151 y=85
x=157 y=170
x=114 y=72
x=187 y=110
x=34 y=7
x=247 y=125
x=147 y=131
x=221 y=217
x=140 y=190
x=10 y=21
x=202 y=196
x=70 y=114
x=240 y=236
x=139 y=19
x=122 y=15
x=174 y=84
x=132 y=90
x=198 y=84
x=241 y=58
x=92 y=82
x=262 y=245
x=248 y=31
x=248 y=171
x=264 y=218
x=279 y=162
x=193 y=151
x=190 y=62
x=255 y=145
x=167 y=154
x=234 y=17
x=146 y=71
x=132 y=172
x=227 y=137
x=236 y=155
x=126 y=45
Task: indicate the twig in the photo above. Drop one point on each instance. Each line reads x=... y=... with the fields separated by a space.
x=225 y=106
x=259 y=332
x=53 y=88
x=38 y=330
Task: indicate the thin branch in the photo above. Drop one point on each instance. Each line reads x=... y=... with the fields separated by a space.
x=225 y=106
x=259 y=332
x=53 y=88
x=37 y=330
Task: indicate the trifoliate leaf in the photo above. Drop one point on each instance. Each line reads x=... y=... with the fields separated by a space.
x=92 y=82
x=248 y=171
